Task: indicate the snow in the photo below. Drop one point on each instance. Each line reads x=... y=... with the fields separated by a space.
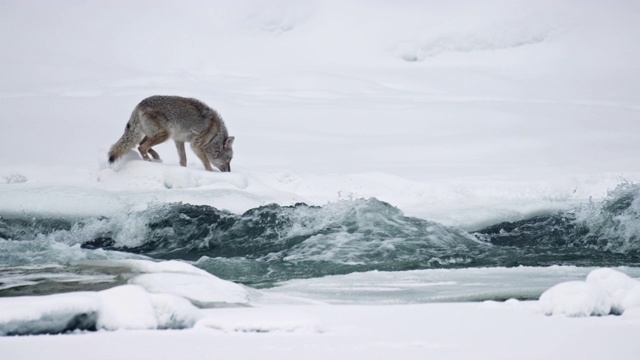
x=161 y=296
x=466 y=113
x=188 y=298
x=126 y=307
x=498 y=118
x=450 y=330
x=173 y=312
x=50 y=314
x=274 y=319
x=200 y=290
x=575 y=298
x=621 y=289
x=122 y=307
x=605 y=291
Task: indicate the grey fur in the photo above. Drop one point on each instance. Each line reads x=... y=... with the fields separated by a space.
x=158 y=118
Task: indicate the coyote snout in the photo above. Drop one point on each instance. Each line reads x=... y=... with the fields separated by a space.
x=158 y=118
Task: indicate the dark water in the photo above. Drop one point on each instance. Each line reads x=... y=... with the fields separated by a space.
x=274 y=243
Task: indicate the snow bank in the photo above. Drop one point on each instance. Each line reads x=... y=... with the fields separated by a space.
x=161 y=298
x=605 y=291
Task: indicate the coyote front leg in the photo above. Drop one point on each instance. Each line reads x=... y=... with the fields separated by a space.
x=145 y=146
x=153 y=153
x=202 y=156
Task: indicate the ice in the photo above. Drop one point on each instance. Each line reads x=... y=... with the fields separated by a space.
x=437 y=285
x=170 y=266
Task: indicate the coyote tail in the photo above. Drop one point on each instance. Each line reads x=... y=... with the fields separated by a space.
x=132 y=135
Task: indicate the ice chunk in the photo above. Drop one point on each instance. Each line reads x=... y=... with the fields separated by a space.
x=575 y=299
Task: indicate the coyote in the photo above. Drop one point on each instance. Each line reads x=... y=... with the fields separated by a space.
x=158 y=118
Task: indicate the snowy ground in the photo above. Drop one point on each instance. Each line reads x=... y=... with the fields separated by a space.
x=466 y=113
x=447 y=331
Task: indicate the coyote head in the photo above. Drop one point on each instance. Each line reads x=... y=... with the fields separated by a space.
x=220 y=153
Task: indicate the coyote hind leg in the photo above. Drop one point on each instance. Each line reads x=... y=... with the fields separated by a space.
x=148 y=142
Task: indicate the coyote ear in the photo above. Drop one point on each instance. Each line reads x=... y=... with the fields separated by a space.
x=228 y=144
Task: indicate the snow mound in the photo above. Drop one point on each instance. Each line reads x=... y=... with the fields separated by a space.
x=174 y=312
x=575 y=299
x=605 y=292
x=126 y=307
x=623 y=290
